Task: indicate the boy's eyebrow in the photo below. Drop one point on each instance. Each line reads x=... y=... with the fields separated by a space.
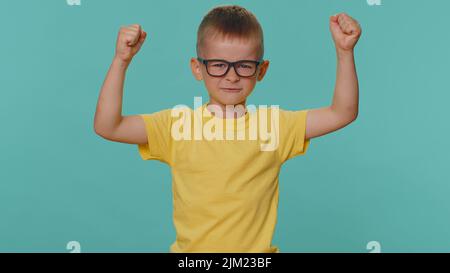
x=247 y=57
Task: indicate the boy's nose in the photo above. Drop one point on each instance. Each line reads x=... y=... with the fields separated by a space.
x=232 y=75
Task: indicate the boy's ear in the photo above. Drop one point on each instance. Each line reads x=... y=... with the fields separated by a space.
x=196 y=69
x=262 y=70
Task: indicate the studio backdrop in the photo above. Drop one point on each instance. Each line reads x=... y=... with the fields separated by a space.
x=382 y=184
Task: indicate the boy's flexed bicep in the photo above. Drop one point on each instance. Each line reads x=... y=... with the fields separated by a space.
x=325 y=120
x=131 y=130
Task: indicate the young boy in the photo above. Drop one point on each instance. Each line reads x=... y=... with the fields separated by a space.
x=225 y=190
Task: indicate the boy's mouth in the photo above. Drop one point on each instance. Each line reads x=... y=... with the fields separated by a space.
x=232 y=90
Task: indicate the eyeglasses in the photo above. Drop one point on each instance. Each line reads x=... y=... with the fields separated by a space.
x=219 y=68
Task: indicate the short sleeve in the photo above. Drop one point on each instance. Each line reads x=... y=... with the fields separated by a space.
x=292 y=134
x=159 y=141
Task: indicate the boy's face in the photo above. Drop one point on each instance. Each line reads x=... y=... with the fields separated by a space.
x=231 y=50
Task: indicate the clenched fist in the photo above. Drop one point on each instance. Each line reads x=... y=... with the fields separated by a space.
x=129 y=41
x=345 y=31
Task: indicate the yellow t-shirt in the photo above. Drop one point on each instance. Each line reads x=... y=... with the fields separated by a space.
x=225 y=192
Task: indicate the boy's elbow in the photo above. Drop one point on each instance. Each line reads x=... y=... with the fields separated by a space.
x=354 y=116
x=101 y=128
x=346 y=117
x=98 y=130
x=351 y=114
x=351 y=118
x=106 y=129
x=97 y=127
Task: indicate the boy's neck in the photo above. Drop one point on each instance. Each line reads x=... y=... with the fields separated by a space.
x=227 y=114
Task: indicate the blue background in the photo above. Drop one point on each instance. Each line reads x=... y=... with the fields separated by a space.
x=383 y=178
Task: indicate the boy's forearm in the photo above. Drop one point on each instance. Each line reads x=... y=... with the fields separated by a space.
x=109 y=105
x=345 y=99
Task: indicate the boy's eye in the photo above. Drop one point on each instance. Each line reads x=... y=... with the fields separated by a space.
x=220 y=65
x=245 y=66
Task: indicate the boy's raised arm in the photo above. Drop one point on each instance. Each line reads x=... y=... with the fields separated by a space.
x=108 y=121
x=344 y=108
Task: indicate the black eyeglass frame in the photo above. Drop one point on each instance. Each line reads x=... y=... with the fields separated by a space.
x=230 y=64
